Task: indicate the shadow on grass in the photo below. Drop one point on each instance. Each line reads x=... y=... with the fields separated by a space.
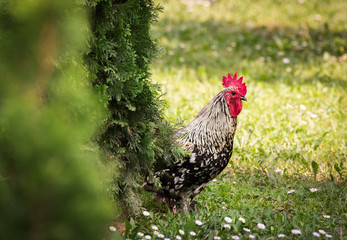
x=266 y=52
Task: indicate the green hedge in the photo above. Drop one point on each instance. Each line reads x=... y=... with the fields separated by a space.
x=135 y=136
x=51 y=181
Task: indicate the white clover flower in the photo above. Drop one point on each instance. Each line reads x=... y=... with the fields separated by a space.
x=326 y=216
x=227 y=226
x=281 y=235
x=241 y=219
x=251 y=236
x=112 y=228
x=328 y=236
x=161 y=235
x=216 y=238
x=140 y=234
x=322 y=231
x=178 y=237
x=278 y=170
x=235 y=237
x=192 y=233
x=313 y=189
x=198 y=222
x=296 y=231
x=181 y=231
x=286 y=60
x=228 y=219
x=146 y=213
x=291 y=191
x=261 y=226
x=316 y=234
x=156 y=233
x=302 y=107
x=148 y=237
x=155 y=228
x=246 y=229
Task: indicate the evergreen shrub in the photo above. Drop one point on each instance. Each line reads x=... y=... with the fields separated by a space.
x=135 y=137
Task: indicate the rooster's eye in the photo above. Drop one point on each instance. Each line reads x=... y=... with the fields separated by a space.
x=233 y=93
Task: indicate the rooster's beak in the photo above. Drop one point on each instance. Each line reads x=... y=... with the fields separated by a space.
x=243 y=98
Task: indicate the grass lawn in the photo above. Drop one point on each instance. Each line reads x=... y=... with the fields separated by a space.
x=288 y=168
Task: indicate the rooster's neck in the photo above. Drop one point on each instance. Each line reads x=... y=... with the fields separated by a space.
x=213 y=128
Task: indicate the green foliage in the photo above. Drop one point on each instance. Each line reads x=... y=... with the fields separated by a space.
x=51 y=185
x=133 y=138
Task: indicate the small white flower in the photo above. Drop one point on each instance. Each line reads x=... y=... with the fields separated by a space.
x=167 y=239
x=192 y=233
x=156 y=233
x=281 y=235
x=216 y=238
x=234 y=182
x=223 y=207
x=286 y=60
x=181 y=231
x=148 y=237
x=316 y=234
x=178 y=237
x=261 y=226
x=241 y=219
x=313 y=189
x=328 y=236
x=296 y=231
x=278 y=170
x=291 y=191
x=246 y=229
x=214 y=180
x=326 y=216
x=112 y=229
x=235 y=237
x=227 y=226
x=313 y=115
x=251 y=236
x=303 y=122
x=161 y=235
x=146 y=213
x=198 y=222
x=322 y=231
x=155 y=228
x=140 y=234
x=302 y=107
x=228 y=219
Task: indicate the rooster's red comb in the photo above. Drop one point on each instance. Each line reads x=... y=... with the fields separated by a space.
x=233 y=81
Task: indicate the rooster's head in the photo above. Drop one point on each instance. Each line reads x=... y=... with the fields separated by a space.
x=235 y=91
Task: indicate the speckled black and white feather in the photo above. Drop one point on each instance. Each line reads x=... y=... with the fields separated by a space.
x=209 y=138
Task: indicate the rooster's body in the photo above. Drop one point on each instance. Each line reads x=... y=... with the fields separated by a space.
x=209 y=139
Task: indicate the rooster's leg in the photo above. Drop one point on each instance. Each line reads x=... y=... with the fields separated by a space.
x=192 y=206
x=185 y=206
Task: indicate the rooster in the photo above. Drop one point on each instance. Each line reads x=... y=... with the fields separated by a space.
x=209 y=140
